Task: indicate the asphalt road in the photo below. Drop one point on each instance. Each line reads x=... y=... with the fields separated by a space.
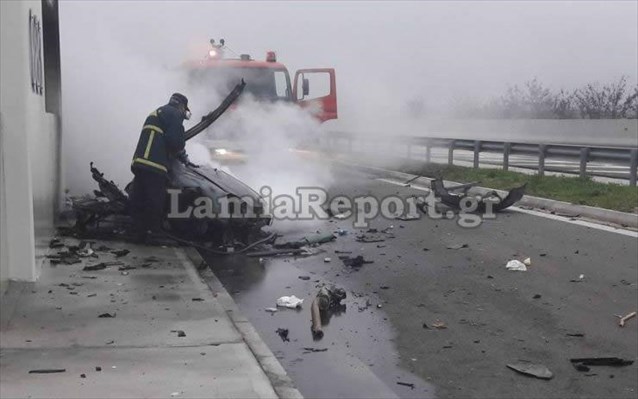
x=492 y=316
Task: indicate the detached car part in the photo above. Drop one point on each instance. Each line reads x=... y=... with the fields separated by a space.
x=498 y=203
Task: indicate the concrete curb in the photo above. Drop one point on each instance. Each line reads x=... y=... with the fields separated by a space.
x=281 y=382
x=599 y=214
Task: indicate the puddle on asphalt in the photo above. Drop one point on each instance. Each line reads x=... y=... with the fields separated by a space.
x=359 y=342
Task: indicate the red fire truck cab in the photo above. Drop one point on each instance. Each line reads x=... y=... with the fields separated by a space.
x=268 y=81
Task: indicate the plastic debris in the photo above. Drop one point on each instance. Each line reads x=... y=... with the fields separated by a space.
x=623 y=319
x=313 y=350
x=120 y=252
x=527 y=261
x=582 y=364
x=516 y=265
x=56 y=243
x=327 y=260
x=406 y=384
x=180 y=333
x=355 y=262
x=291 y=302
x=579 y=280
x=271 y=310
x=283 y=334
x=47 y=371
x=438 y=324
x=86 y=252
x=101 y=266
x=534 y=370
x=457 y=246
x=315 y=239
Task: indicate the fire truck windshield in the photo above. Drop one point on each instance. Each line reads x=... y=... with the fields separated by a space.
x=264 y=84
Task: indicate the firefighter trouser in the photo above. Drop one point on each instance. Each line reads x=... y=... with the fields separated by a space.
x=148 y=200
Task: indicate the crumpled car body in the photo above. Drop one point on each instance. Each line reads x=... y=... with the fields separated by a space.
x=242 y=220
x=194 y=188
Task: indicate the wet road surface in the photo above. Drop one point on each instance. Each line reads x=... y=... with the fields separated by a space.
x=492 y=316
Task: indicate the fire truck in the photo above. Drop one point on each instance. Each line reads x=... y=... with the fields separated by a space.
x=268 y=80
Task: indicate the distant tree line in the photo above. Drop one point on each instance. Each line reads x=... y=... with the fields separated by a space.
x=532 y=100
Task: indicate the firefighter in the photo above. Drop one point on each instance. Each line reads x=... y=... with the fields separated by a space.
x=161 y=139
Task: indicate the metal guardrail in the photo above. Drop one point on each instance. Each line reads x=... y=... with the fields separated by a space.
x=623 y=156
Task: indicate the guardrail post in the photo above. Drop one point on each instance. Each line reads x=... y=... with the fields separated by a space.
x=507 y=148
x=584 y=158
x=542 y=151
x=450 y=153
x=477 y=150
x=633 y=166
x=428 y=151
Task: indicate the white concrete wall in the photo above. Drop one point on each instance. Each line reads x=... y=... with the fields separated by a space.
x=27 y=153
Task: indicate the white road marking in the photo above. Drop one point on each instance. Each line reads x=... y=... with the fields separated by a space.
x=610 y=229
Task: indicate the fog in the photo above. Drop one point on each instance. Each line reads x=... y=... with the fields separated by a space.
x=120 y=61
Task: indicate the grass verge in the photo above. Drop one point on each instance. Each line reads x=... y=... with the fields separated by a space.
x=568 y=189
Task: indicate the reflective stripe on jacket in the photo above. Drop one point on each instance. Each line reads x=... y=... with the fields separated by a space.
x=162 y=137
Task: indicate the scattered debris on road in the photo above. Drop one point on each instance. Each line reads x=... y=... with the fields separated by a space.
x=107 y=315
x=582 y=364
x=305 y=278
x=180 y=333
x=406 y=384
x=55 y=243
x=101 y=266
x=311 y=240
x=534 y=370
x=271 y=310
x=120 y=252
x=457 y=246
x=516 y=265
x=283 y=334
x=438 y=324
x=47 y=371
x=579 y=280
x=355 y=262
x=314 y=350
x=623 y=319
x=291 y=302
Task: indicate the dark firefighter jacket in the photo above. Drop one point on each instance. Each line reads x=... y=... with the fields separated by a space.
x=162 y=138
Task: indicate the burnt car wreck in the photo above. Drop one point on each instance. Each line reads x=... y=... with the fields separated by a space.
x=107 y=213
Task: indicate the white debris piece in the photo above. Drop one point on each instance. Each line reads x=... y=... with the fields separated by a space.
x=291 y=302
x=327 y=260
x=271 y=310
x=516 y=265
x=528 y=261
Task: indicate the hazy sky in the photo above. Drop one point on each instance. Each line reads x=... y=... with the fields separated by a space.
x=383 y=51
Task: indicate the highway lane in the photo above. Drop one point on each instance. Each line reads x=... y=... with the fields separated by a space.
x=492 y=316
